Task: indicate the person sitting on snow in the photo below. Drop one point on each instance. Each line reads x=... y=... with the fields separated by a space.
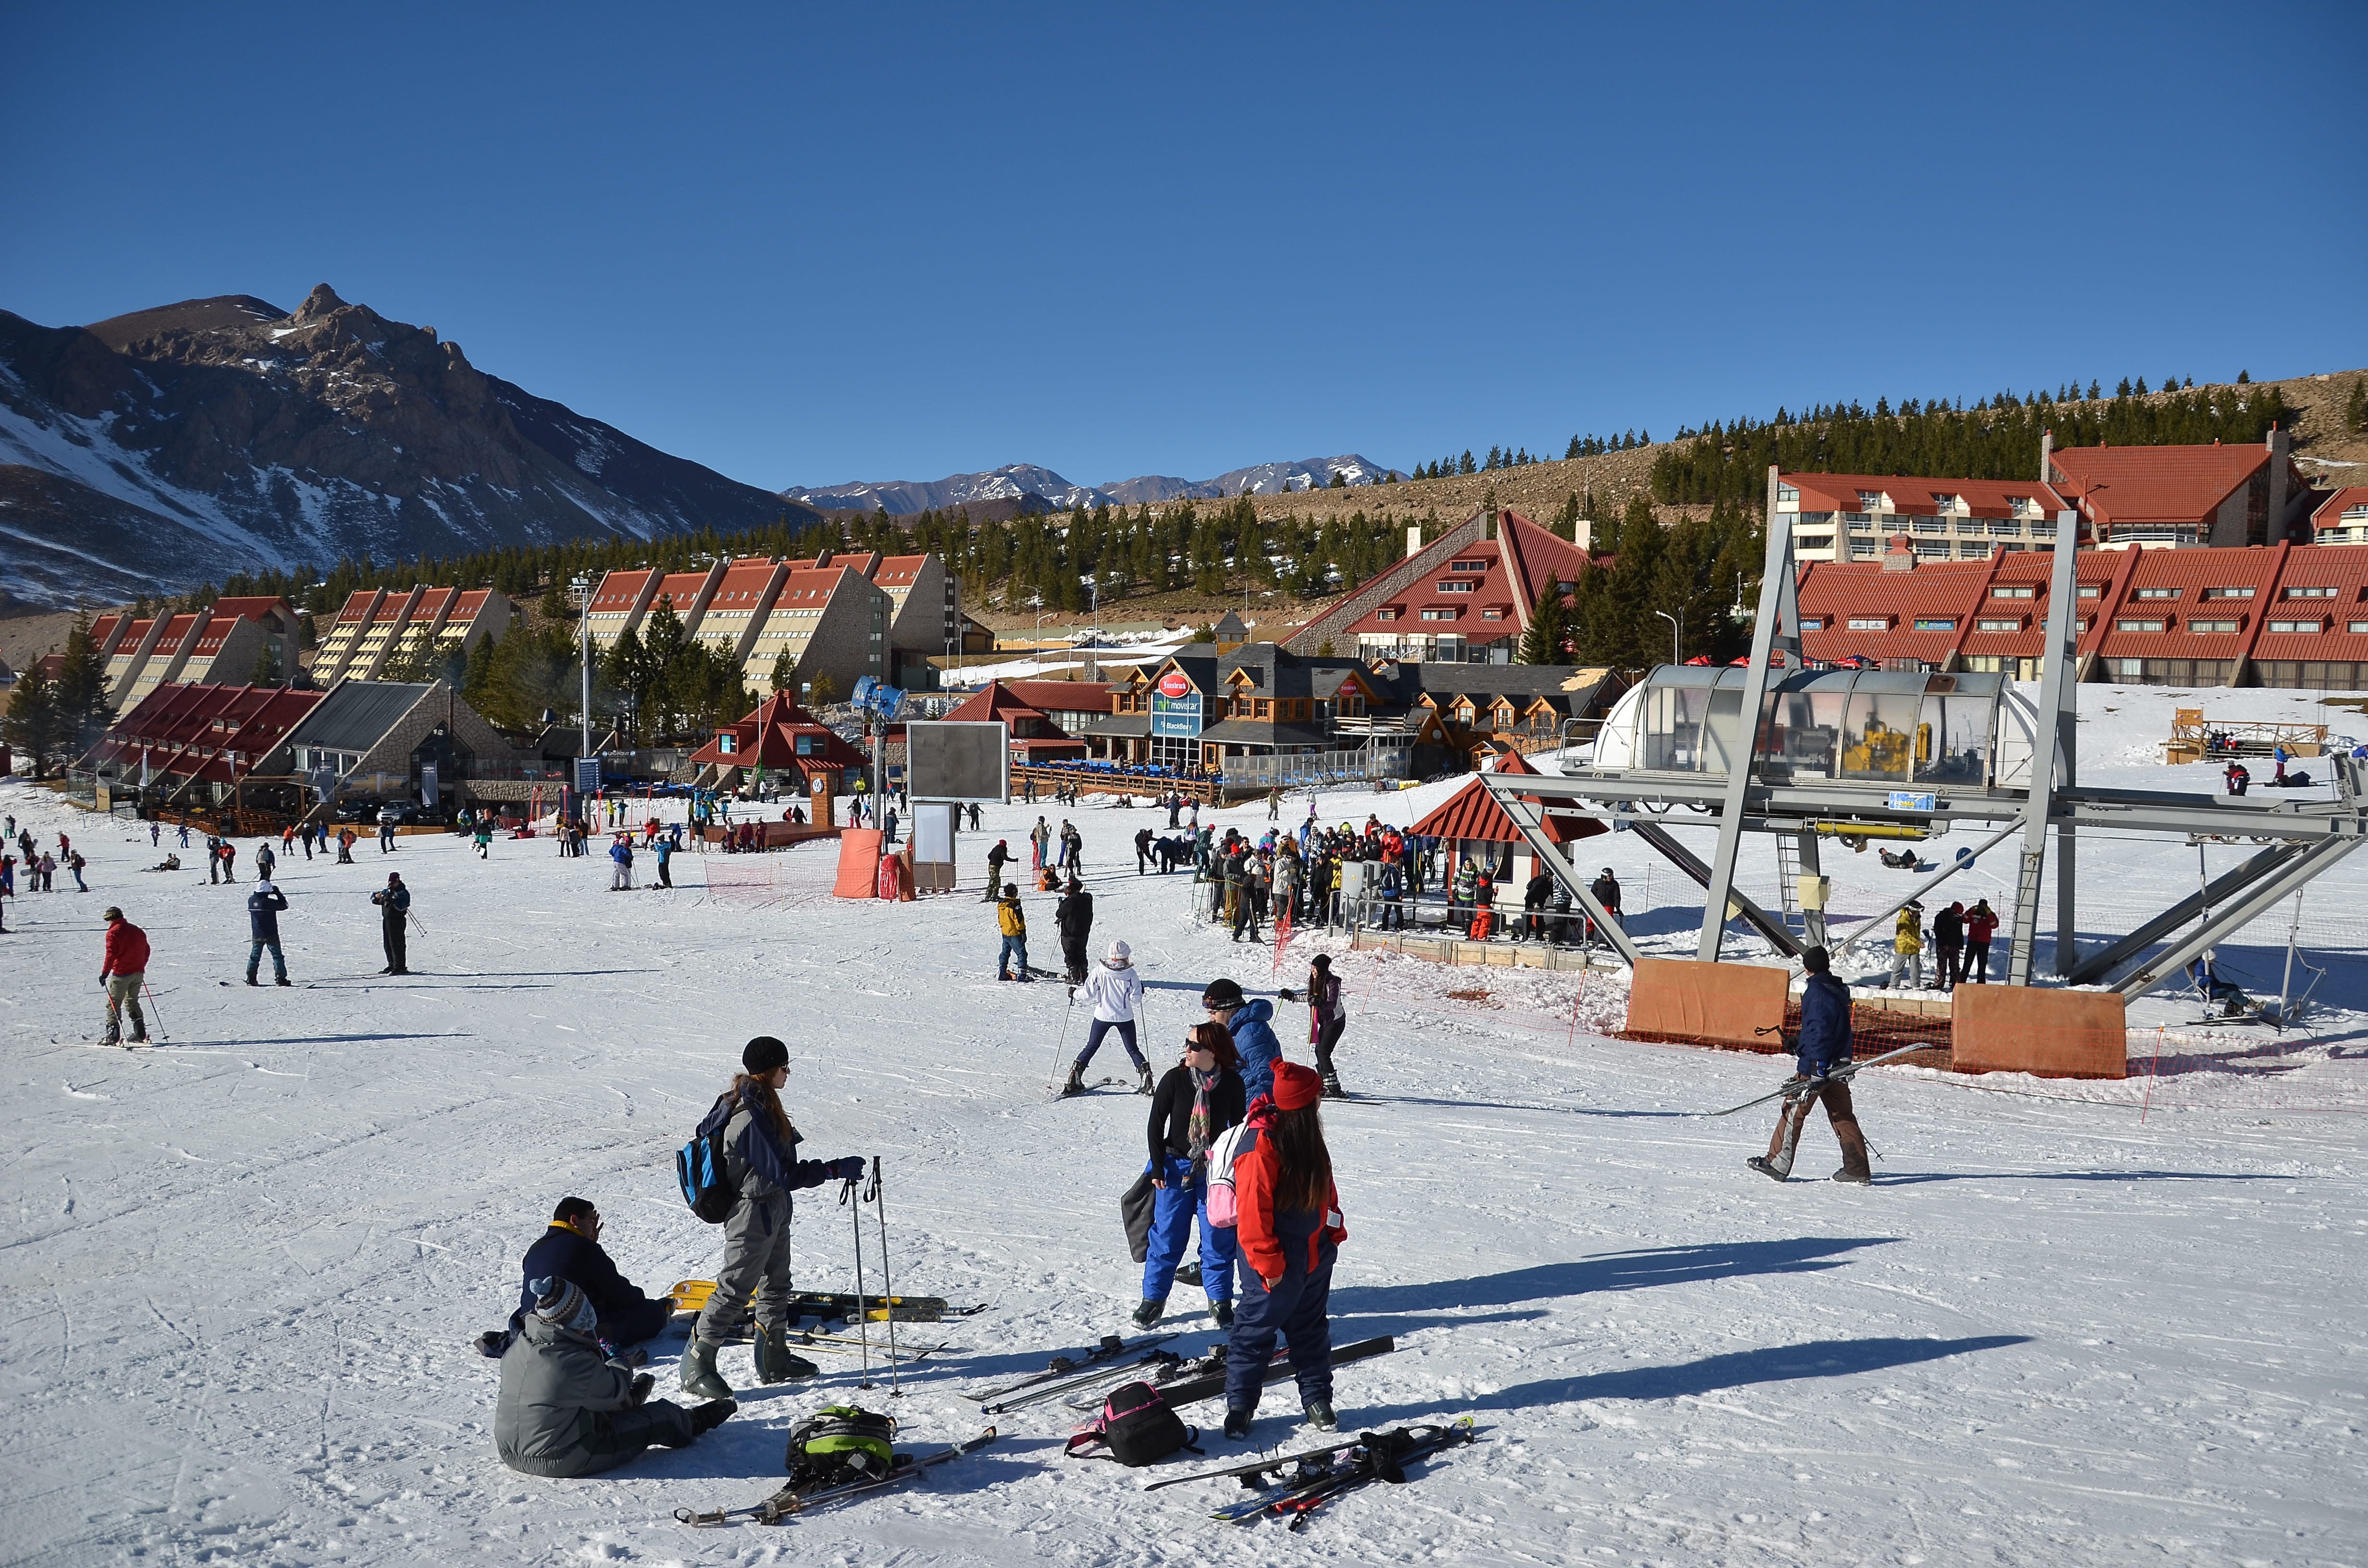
x=565 y=1410
x=569 y=1248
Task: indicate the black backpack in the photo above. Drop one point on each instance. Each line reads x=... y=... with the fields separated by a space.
x=707 y=1182
x=1137 y=1425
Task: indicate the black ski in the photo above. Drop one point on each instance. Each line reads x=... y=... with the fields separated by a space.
x=788 y=1501
x=1041 y=1392
x=1194 y=1388
x=1111 y=1347
x=1257 y=1466
x=1374 y=1457
x=1841 y=1074
x=1179 y=1370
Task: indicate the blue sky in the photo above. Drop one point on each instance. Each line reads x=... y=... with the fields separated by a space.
x=812 y=244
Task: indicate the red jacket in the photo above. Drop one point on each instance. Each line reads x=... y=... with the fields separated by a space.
x=126 y=950
x=1979 y=928
x=1254 y=1174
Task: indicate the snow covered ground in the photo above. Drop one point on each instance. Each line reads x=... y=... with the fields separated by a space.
x=2070 y=1323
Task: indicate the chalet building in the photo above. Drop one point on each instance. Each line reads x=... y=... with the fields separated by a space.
x=1848 y=516
x=198 y=741
x=1463 y=598
x=1485 y=711
x=2342 y=518
x=2185 y=496
x=375 y=627
x=1048 y=718
x=779 y=740
x=219 y=645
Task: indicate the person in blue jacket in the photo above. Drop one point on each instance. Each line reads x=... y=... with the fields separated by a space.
x=665 y=849
x=1824 y=1046
x=263 y=907
x=569 y=1248
x=760 y=1154
x=1251 y=1025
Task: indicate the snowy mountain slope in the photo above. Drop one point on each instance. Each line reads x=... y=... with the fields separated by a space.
x=160 y=449
x=1042 y=489
x=2097 y=1323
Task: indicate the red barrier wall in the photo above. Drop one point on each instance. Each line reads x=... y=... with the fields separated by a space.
x=859 y=863
x=2023 y=1029
x=1721 y=1003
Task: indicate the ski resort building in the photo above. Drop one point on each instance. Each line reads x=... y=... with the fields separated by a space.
x=1850 y=517
x=376 y=627
x=1047 y=719
x=2185 y=496
x=225 y=643
x=1465 y=598
x=186 y=737
x=779 y=739
x=2342 y=518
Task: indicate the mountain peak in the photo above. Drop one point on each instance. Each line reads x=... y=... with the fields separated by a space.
x=318 y=304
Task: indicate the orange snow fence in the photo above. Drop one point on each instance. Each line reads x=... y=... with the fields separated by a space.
x=859 y=863
x=2049 y=1033
x=1716 y=1004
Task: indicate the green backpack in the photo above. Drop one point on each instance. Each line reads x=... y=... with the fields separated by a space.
x=839 y=1444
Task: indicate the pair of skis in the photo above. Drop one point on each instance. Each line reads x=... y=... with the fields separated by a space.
x=1099 y=1364
x=1841 y=1074
x=1313 y=1477
x=788 y=1502
x=690 y=1295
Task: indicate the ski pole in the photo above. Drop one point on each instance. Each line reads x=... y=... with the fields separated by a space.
x=887 y=1281
x=1061 y=1047
x=847 y=1197
x=153 y=1008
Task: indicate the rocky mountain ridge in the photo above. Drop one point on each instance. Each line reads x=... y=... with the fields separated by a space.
x=1026 y=487
x=155 y=450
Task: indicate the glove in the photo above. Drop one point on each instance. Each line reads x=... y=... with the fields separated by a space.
x=1287 y=994
x=849 y=1167
x=642 y=1386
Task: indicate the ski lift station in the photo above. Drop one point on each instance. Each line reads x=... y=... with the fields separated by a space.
x=1891 y=754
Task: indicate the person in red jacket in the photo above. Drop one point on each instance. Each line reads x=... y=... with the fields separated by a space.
x=126 y=965
x=1981 y=924
x=1289 y=1231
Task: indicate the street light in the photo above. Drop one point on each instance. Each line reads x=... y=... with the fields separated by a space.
x=1676 y=629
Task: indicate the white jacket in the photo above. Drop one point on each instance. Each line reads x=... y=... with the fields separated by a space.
x=1116 y=993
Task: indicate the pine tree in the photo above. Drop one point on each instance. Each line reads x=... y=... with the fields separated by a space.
x=80 y=689
x=32 y=723
x=1466 y=465
x=2355 y=407
x=1547 y=641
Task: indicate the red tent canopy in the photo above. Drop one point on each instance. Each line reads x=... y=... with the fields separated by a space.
x=1473 y=814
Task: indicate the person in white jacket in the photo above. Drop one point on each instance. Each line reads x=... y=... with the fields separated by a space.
x=1116 y=991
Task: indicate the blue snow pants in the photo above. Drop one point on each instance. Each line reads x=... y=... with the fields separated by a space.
x=1015 y=951
x=1174 y=1208
x=1101 y=1027
x=1295 y=1309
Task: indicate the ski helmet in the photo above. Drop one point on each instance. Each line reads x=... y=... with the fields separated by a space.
x=1222 y=994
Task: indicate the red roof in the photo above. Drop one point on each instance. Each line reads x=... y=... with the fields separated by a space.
x=1501 y=574
x=2178 y=587
x=188 y=728
x=217 y=632
x=895 y=569
x=2346 y=571
x=1918 y=497
x=2155 y=485
x=744 y=584
x=471 y=604
x=133 y=635
x=1059 y=696
x=1836 y=592
x=358 y=604
x=681 y=587
x=2329 y=513
x=617 y=592
x=768 y=737
x=1473 y=812
x=256 y=606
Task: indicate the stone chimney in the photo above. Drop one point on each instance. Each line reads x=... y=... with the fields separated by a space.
x=2046 y=455
x=2279 y=444
x=1414 y=540
x=1898 y=554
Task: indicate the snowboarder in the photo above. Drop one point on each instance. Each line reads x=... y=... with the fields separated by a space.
x=1290 y=1231
x=569 y=1248
x=1250 y=1024
x=760 y=1151
x=1824 y=1045
x=1116 y=991
x=123 y=971
x=1200 y=1098
x=1074 y=917
x=566 y=1410
x=393 y=903
x=1013 y=923
x=1981 y=922
x=997 y=858
x=263 y=907
x=1327 y=1017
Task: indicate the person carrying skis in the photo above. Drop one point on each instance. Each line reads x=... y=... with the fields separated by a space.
x=393 y=903
x=1116 y=991
x=1251 y=1026
x=1075 y=916
x=1290 y=1228
x=566 y=1410
x=263 y=907
x=1824 y=1045
x=1200 y=1098
x=760 y=1153
x=1327 y=1017
x=121 y=970
x=997 y=858
x=1013 y=923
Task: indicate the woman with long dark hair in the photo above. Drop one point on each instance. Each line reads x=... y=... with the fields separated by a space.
x=1201 y=1098
x=1290 y=1228
x=761 y=1152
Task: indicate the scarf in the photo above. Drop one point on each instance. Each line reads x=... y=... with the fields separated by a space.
x=1198 y=1132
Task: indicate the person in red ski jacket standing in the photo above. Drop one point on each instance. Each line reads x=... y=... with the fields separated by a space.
x=1289 y=1231
x=126 y=965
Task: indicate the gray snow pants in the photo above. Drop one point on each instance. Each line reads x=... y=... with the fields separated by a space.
x=755 y=1262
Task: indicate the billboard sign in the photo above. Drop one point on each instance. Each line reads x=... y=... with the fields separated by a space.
x=1173 y=684
x=958 y=760
x=1176 y=717
x=587 y=775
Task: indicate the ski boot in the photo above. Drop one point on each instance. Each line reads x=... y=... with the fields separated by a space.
x=1856 y=1177
x=1077 y=1084
x=775 y=1361
x=1143 y=1085
x=707 y=1417
x=1768 y=1168
x=1221 y=1313
x=1332 y=1089
x=1320 y=1417
x=1237 y=1424
x=1151 y=1312
x=699 y=1373
x=1190 y=1274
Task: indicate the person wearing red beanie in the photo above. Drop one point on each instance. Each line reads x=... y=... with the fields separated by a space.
x=1288 y=1230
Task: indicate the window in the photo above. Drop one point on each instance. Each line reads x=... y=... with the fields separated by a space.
x=2091 y=590
x=2358 y=628
x=1936 y=624
x=1972 y=550
x=2244 y=593
x=1449 y=614
x=1870 y=623
x=2314 y=591
x=1859 y=522
x=1930 y=525
x=1861 y=549
x=1492 y=613
x=2131 y=623
x=1870 y=501
x=2298 y=626
x=1812 y=623
x=1467 y=566
x=2043 y=530
x=1786 y=492
x=2157 y=593
x=2207 y=627
x=2014 y=591
x=2006 y=531
x=1815 y=541
x=1999 y=623
x=1451 y=585
x=1387 y=612
x=1944 y=502
x=1932 y=549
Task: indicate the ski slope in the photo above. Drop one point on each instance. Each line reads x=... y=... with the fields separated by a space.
x=2071 y=1324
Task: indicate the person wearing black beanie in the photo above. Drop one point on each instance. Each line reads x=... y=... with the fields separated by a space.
x=760 y=1157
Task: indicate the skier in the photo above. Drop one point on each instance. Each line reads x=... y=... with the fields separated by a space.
x=663 y=848
x=2237 y=777
x=1073 y=847
x=1200 y=1098
x=620 y=858
x=1013 y=923
x=1981 y=923
x=1824 y=1045
x=761 y=1152
x=265 y=860
x=997 y=858
x=393 y=903
x=1250 y=1024
x=484 y=840
x=565 y=1410
x=1606 y=892
x=123 y=971
x=569 y=1248
x=1290 y=1232
x=1116 y=991
x=1907 y=947
x=1075 y=916
x=263 y=907
x=74 y=863
x=7 y=887
x=1142 y=850
x=1327 y=1017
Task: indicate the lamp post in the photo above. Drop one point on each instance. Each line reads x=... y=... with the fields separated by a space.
x=582 y=587
x=1676 y=631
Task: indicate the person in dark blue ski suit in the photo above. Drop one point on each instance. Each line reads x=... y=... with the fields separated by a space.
x=760 y=1154
x=1199 y=1098
x=1824 y=1045
x=263 y=907
x=1250 y=1024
